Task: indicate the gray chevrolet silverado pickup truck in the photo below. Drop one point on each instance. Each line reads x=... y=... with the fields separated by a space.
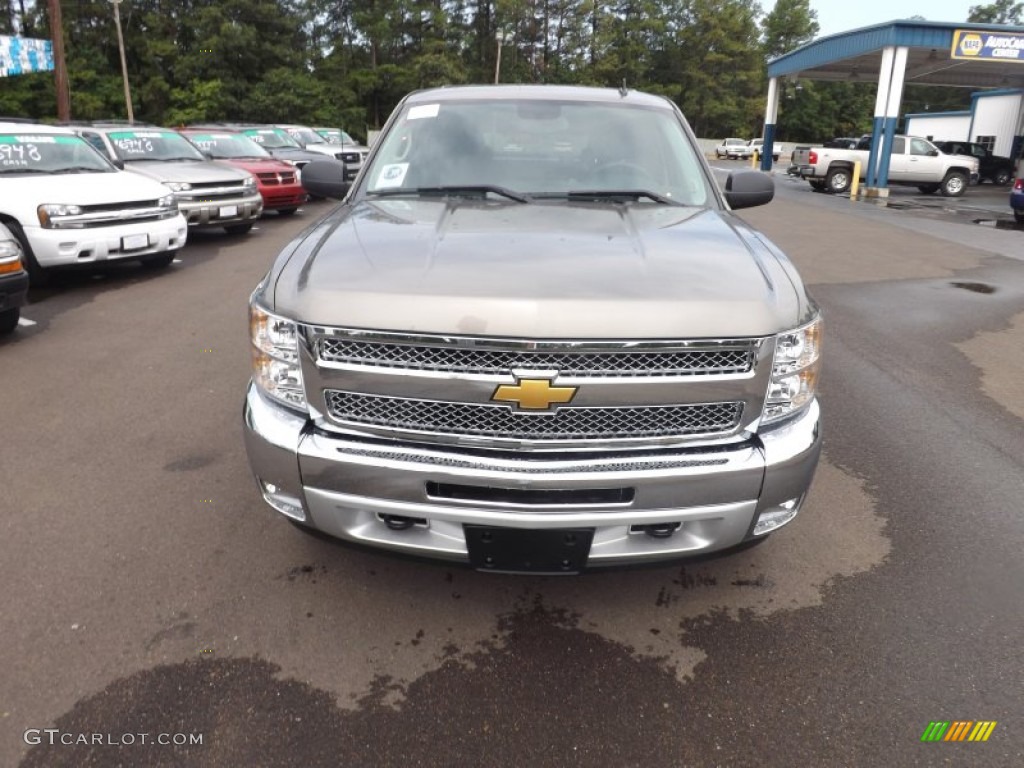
x=533 y=337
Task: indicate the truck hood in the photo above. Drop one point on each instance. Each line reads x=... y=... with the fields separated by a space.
x=539 y=270
x=192 y=171
x=79 y=189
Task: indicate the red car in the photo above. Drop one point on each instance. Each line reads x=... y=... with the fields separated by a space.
x=278 y=182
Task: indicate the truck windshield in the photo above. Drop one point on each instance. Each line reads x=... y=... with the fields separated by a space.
x=272 y=138
x=152 y=145
x=227 y=145
x=306 y=136
x=32 y=153
x=541 y=148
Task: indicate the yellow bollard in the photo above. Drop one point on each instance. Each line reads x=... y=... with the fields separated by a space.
x=755 y=158
x=855 y=180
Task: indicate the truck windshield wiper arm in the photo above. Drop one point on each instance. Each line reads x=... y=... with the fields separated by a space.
x=469 y=189
x=614 y=194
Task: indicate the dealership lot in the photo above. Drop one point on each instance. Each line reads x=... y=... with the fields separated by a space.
x=149 y=590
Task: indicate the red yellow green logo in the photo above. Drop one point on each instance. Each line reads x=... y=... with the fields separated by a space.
x=958 y=730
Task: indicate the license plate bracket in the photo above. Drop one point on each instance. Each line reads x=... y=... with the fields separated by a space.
x=528 y=550
x=227 y=211
x=134 y=242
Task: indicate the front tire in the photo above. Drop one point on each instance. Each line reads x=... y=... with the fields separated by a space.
x=286 y=211
x=838 y=180
x=954 y=185
x=1002 y=178
x=9 y=320
x=158 y=260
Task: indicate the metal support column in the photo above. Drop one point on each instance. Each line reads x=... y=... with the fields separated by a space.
x=881 y=101
x=771 y=115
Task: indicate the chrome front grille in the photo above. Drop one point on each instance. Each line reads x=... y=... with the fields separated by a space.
x=272 y=178
x=712 y=358
x=500 y=421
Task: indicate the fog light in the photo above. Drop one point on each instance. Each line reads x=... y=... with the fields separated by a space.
x=282 y=501
x=776 y=517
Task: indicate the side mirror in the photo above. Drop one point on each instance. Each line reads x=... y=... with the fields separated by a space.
x=746 y=189
x=325 y=178
x=118 y=163
x=933 y=153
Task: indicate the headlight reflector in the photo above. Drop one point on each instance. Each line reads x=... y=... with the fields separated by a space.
x=275 y=357
x=50 y=214
x=178 y=186
x=794 y=377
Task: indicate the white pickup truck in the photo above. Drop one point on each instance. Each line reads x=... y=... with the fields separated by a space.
x=914 y=161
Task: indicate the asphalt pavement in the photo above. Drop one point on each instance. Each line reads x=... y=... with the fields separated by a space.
x=150 y=596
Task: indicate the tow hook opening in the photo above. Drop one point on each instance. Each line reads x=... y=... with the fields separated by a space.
x=656 y=530
x=400 y=522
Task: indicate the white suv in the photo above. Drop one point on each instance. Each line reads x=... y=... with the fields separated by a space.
x=68 y=205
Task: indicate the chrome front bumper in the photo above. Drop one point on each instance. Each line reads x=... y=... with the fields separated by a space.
x=345 y=486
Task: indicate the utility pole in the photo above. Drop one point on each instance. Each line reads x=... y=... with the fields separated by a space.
x=499 y=37
x=60 y=69
x=124 y=65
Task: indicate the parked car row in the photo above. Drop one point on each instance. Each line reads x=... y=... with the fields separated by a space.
x=87 y=194
x=742 y=149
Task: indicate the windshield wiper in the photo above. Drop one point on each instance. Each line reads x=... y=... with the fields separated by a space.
x=620 y=194
x=81 y=169
x=469 y=189
x=24 y=170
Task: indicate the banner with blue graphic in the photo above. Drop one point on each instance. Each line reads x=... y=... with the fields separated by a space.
x=21 y=55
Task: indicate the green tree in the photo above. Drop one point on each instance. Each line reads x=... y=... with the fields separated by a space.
x=999 y=12
x=790 y=24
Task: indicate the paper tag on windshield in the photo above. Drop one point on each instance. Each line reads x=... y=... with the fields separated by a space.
x=424 y=110
x=392 y=175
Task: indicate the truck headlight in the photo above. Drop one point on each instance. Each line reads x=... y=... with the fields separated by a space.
x=178 y=186
x=275 y=357
x=794 y=377
x=249 y=185
x=50 y=215
x=168 y=205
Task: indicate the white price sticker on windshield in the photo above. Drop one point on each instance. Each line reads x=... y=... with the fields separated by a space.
x=392 y=175
x=424 y=110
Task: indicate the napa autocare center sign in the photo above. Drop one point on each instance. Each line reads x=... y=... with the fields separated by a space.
x=21 y=55
x=971 y=44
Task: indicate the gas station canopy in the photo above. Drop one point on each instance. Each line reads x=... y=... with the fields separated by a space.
x=985 y=55
x=896 y=54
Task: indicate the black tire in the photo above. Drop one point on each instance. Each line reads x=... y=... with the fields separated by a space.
x=928 y=189
x=1019 y=216
x=37 y=276
x=238 y=229
x=837 y=180
x=1002 y=177
x=818 y=185
x=718 y=155
x=954 y=185
x=9 y=320
x=286 y=211
x=158 y=260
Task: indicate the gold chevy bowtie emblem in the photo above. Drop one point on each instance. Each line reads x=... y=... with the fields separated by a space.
x=533 y=394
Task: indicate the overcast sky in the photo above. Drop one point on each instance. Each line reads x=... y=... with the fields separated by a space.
x=843 y=15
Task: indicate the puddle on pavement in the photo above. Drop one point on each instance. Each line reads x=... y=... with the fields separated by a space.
x=999 y=224
x=975 y=287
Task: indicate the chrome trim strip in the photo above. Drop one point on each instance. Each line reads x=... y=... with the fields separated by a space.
x=311 y=332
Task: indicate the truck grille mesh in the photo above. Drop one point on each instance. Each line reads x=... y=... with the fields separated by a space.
x=690 y=362
x=566 y=423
